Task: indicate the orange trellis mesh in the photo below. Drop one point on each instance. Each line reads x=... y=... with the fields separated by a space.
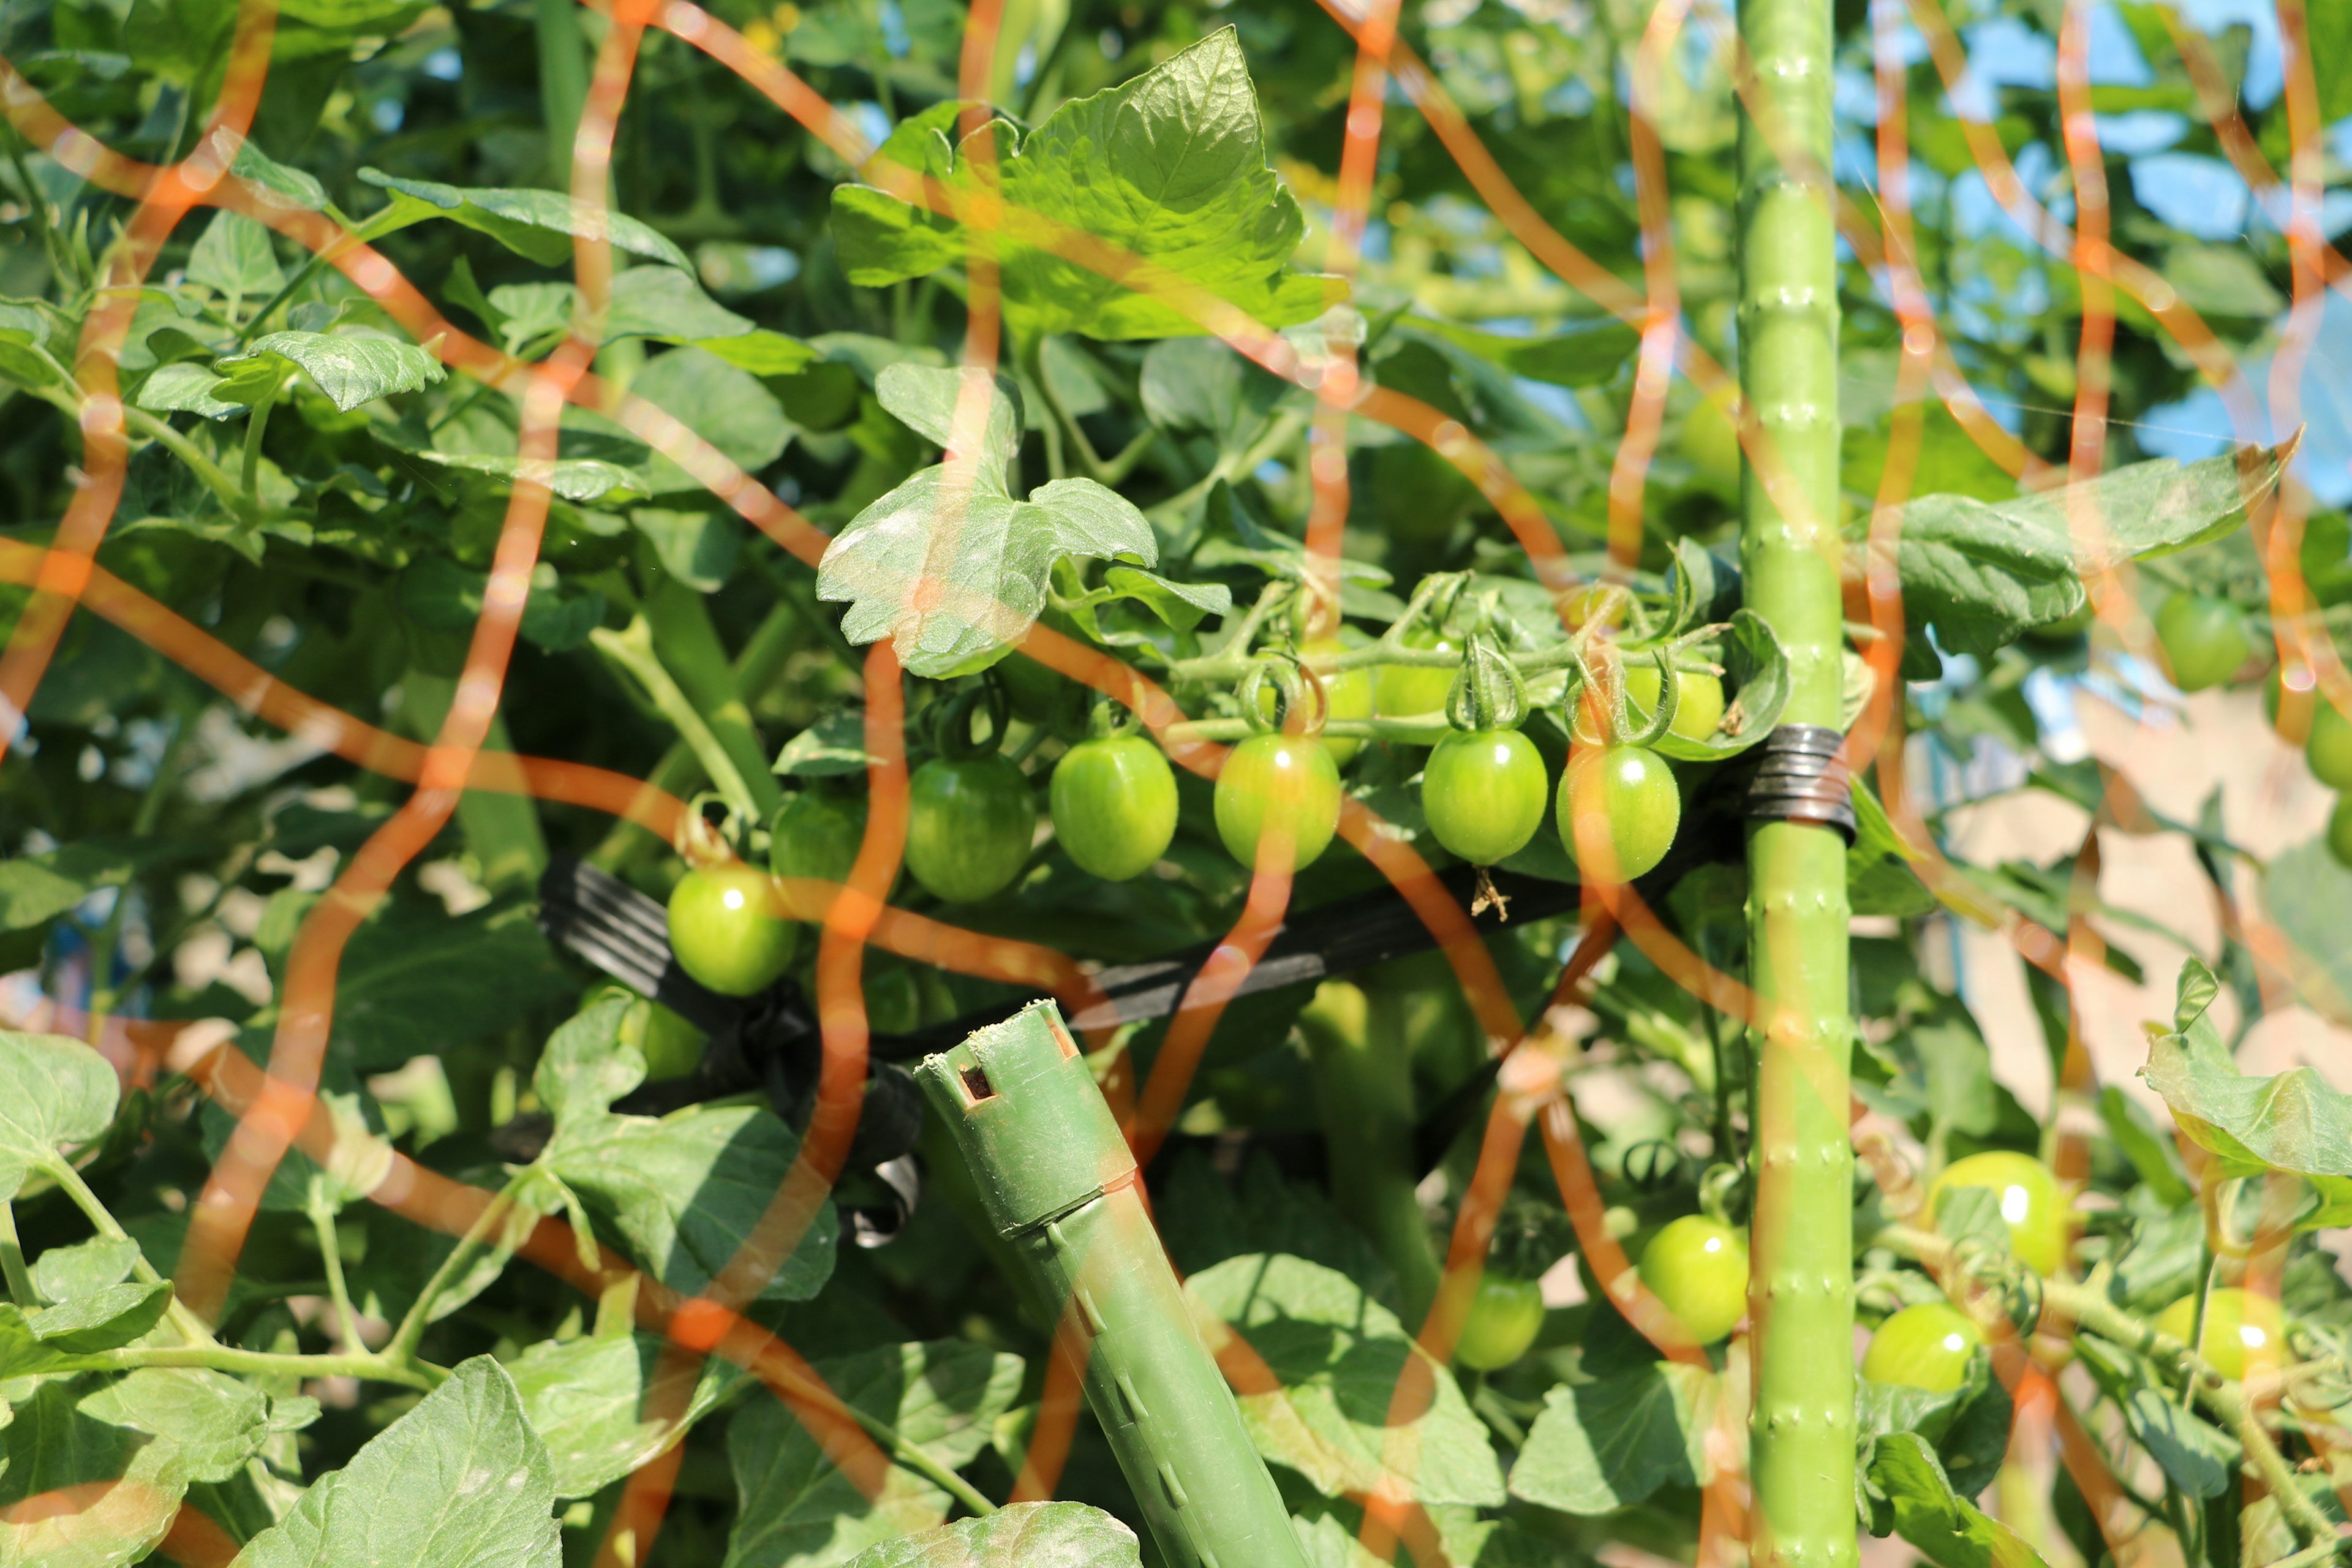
x=278 y=1109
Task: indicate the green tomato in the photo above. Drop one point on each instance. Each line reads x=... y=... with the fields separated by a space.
x=2329 y=748
x=1699 y=697
x=1927 y=1346
x=1619 y=811
x=1698 y=1267
x=1114 y=804
x=894 y=1004
x=1410 y=690
x=1710 y=441
x=2339 y=831
x=2239 y=1326
x=816 y=836
x=1485 y=793
x=2205 y=639
x=1278 y=778
x=970 y=824
x=1504 y=1317
x=726 y=927
x=2031 y=1203
x=671 y=1047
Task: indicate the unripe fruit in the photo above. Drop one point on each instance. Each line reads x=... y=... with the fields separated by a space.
x=1699 y=697
x=1698 y=1267
x=2241 y=1327
x=2329 y=749
x=726 y=927
x=1505 y=1318
x=2339 y=831
x=1927 y=1346
x=1276 y=779
x=1483 y=793
x=970 y=821
x=2031 y=1203
x=2205 y=639
x=1619 y=811
x=1114 y=802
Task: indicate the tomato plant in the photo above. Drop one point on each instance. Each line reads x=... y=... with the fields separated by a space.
x=465 y=466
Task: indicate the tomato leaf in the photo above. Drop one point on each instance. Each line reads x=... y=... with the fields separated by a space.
x=2291 y=1121
x=798 y=1511
x=349 y=367
x=2307 y=892
x=539 y=224
x=1599 y=1446
x=604 y=1406
x=1020 y=1535
x=1170 y=167
x=55 y=1093
x=1982 y=574
x=1337 y=1355
x=948 y=565
x=1946 y=1526
x=233 y=258
x=460 y=1481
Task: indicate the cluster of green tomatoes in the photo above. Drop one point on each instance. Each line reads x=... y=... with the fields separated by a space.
x=1485 y=791
x=2207 y=641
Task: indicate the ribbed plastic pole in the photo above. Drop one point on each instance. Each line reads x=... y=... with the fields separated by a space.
x=1058 y=1183
x=1800 y=1289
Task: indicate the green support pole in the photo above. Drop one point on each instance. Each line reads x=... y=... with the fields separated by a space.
x=1059 y=1185
x=1800 y=1290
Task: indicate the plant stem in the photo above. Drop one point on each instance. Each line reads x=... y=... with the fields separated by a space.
x=330 y=1255
x=257 y=421
x=563 y=81
x=191 y=1328
x=1802 y=1286
x=262 y=1363
x=12 y=1259
x=1363 y=1088
x=215 y=476
x=632 y=650
x=402 y=1348
x=502 y=831
x=688 y=646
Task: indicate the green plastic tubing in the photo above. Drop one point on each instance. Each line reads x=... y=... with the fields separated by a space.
x=1058 y=1183
x=1800 y=1289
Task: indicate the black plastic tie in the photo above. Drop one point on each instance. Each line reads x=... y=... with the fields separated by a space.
x=1799 y=778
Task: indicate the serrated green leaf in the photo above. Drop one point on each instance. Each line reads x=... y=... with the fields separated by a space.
x=698 y=548
x=55 y=1093
x=185 y=388
x=948 y=565
x=233 y=257
x=797 y=1510
x=2307 y=893
x=1946 y=1528
x=1983 y=572
x=685 y=1194
x=606 y=1406
x=539 y=224
x=1199 y=384
x=110 y=1461
x=101 y=1320
x=2292 y=1122
x=663 y=303
x=2199 y=1458
x=1170 y=167
x=726 y=406
x=833 y=746
x=1602 y=1446
x=64 y=1272
x=460 y=1481
x=1589 y=356
x=349 y=368
x=1338 y=1355
x=278 y=185
x=436 y=592
x=762 y=352
x=1022 y=1535
x=587 y=1065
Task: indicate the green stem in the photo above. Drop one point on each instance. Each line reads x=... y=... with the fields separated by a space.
x=215 y=478
x=632 y=650
x=563 y=81
x=758 y=666
x=1362 y=1070
x=502 y=831
x=402 y=1348
x=679 y=623
x=257 y=421
x=262 y=1363
x=1287 y=428
x=1802 y=1285
x=191 y=1328
x=321 y=1215
x=12 y=1259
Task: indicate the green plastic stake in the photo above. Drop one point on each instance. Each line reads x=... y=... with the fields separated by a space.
x=1059 y=1185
